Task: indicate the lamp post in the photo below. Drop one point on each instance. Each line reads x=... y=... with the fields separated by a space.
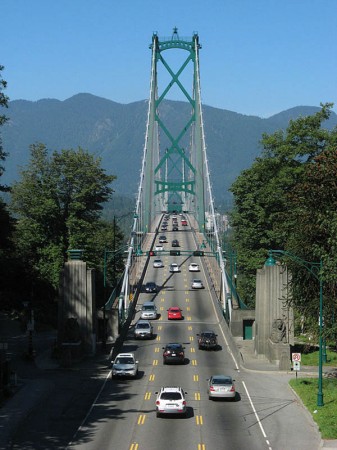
x=315 y=268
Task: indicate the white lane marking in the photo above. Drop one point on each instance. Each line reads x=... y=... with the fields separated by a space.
x=256 y=415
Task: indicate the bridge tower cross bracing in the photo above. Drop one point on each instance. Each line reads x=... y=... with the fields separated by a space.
x=173 y=175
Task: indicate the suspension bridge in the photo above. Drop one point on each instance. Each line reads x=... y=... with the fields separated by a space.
x=175 y=176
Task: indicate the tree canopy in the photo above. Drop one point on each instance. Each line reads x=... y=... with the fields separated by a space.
x=287 y=200
x=58 y=202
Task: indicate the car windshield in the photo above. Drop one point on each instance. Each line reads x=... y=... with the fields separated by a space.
x=124 y=361
x=148 y=307
x=143 y=325
x=208 y=335
x=170 y=396
x=174 y=310
x=221 y=381
x=174 y=347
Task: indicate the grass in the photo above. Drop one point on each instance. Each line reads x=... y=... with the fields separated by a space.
x=324 y=416
x=312 y=358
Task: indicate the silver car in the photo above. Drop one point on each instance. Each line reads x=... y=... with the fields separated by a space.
x=124 y=365
x=148 y=311
x=171 y=400
x=221 y=386
x=197 y=284
x=143 y=330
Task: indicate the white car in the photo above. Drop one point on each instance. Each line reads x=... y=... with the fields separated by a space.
x=171 y=400
x=197 y=284
x=174 y=268
x=158 y=263
x=124 y=365
x=193 y=267
x=159 y=248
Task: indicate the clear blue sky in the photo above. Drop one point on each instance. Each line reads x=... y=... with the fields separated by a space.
x=258 y=57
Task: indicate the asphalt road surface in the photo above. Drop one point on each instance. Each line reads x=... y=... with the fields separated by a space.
x=105 y=413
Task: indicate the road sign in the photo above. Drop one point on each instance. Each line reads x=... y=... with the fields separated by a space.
x=296 y=365
x=296 y=357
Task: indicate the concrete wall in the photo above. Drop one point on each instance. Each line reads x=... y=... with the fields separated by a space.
x=77 y=300
x=238 y=316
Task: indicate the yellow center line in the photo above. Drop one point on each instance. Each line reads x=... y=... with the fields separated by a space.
x=197 y=396
x=155 y=362
x=201 y=447
x=191 y=338
x=195 y=377
x=152 y=377
x=198 y=420
x=192 y=349
x=147 y=396
x=141 y=419
x=158 y=338
x=157 y=350
x=194 y=362
x=190 y=328
x=134 y=446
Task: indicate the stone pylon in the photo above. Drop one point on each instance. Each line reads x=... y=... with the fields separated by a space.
x=77 y=302
x=274 y=321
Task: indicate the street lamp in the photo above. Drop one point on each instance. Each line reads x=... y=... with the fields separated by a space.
x=315 y=268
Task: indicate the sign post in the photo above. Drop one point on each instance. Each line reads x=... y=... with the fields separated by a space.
x=296 y=359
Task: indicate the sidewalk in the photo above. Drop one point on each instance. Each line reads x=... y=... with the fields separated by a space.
x=249 y=361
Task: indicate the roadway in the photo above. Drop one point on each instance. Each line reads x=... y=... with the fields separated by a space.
x=83 y=408
x=124 y=415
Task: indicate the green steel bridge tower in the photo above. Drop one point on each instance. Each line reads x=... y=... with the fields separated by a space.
x=174 y=169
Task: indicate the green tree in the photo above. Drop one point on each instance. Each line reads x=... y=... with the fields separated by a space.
x=8 y=265
x=58 y=203
x=262 y=217
x=312 y=234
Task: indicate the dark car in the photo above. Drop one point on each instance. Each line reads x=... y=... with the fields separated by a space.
x=175 y=228
x=150 y=287
x=207 y=340
x=175 y=243
x=173 y=353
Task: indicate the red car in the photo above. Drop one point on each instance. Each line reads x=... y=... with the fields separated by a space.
x=174 y=313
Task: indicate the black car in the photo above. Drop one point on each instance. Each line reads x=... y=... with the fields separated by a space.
x=175 y=243
x=174 y=353
x=175 y=228
x=150 y=287
x=207 y=340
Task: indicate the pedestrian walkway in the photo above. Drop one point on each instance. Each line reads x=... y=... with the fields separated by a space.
x=251 y=362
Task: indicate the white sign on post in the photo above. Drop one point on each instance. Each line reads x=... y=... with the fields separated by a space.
x=296 y=357
x=296 y=365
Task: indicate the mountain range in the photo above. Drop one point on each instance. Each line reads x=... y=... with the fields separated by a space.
x=115 y=132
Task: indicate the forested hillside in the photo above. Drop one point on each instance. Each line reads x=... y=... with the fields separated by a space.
x=115 y=132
